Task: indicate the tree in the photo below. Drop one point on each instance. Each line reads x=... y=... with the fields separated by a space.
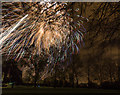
x=9 y=70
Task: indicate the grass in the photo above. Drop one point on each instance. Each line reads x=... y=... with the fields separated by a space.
x=55 y=91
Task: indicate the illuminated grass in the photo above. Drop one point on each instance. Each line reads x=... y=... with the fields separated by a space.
x=48 y=91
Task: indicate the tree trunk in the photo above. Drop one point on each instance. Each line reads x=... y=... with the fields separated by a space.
x=88 y=72
x=110 y=73
x=119 y=73
x=100 y=74
x=55 y=77
x=76 y=80
x=35 y=82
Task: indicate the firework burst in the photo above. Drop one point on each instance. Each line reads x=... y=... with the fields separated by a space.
x=47 y=27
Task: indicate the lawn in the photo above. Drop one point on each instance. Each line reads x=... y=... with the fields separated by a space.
x=56 y=91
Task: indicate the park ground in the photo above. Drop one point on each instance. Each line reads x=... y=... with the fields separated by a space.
x=57 y=91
